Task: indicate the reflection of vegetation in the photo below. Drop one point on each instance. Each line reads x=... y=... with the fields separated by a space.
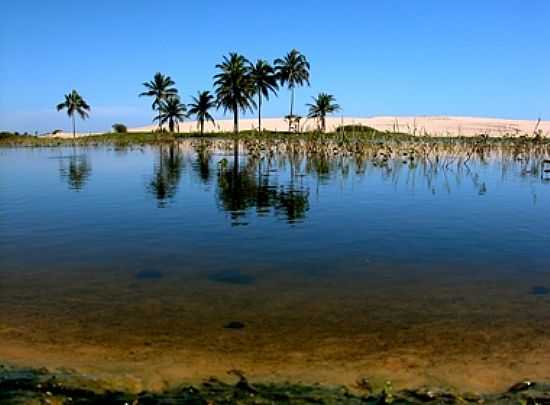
x=166 y=178
x=250 y=187
x=202 y=164
x=76 y=172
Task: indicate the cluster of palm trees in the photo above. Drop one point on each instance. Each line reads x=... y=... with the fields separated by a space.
x=239 y=86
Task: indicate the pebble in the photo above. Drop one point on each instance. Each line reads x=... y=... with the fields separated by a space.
x=234 y=325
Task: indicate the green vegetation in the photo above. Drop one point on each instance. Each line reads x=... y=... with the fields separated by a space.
x=234 y=86
x=161 y=89
x=322 y=105
x=349 y=137
x=200 y=108
x=265 y=81
x=120 y=128
x=74 y=103
x=293 y=71
x=173 y=111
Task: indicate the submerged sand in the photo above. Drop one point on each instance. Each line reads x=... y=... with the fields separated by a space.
x=151 y=335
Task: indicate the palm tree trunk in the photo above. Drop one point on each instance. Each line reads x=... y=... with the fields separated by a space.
x=323 y=124
x=259 y=112
x=235 y=120
x=202 y=126
x=160 y=113
x=74 y=128
x=236 y=141
x=291 y=109
x=236 y=155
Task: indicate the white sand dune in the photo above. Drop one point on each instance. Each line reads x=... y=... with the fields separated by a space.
x=420 y=125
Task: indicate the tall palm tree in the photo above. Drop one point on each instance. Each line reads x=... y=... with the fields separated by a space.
x=74 y=103
x=200 y=108
x=265 y=81
x=160 y=88
x=292 y=70
x=173 y=111
x=234 y=86
x=322 y=105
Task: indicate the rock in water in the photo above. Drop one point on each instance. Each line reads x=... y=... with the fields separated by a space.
x=521 y=386
x=234 y=325
x=540 y=290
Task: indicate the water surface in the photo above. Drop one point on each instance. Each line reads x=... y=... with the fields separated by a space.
x=333 y=266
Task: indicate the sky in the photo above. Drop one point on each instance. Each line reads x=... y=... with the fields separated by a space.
x=394 y=57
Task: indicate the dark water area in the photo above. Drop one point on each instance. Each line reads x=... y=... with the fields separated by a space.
x=318 y=255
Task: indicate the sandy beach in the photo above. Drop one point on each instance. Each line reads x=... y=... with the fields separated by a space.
x=418 y=125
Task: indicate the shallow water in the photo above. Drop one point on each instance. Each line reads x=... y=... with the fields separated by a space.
x=333 y=267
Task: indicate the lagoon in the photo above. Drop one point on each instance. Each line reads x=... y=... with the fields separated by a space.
x=153 y=264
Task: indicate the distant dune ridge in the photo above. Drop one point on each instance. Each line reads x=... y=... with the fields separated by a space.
x=420 y=125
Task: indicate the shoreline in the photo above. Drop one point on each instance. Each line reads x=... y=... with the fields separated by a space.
x=424 y=126
x=27 y=384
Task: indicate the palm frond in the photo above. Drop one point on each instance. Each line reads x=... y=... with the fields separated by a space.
x=233 y=84
x=74 y=103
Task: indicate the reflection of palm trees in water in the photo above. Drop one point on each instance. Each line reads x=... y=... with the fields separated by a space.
x=76 y=170
x=167 y=175
x=202 y=163
x=250 y=187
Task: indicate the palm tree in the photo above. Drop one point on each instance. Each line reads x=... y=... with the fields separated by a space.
x=74 y=103
x=265 y=81
x=234 y=86
x=200 y=108
x=322 y=105
x=160 y=88
x=173 y=111
x=292 y=70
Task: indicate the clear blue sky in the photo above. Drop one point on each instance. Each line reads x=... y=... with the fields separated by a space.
x=392 y=57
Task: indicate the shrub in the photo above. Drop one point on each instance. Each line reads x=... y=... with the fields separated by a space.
x=358 y=128
x=120 y=128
